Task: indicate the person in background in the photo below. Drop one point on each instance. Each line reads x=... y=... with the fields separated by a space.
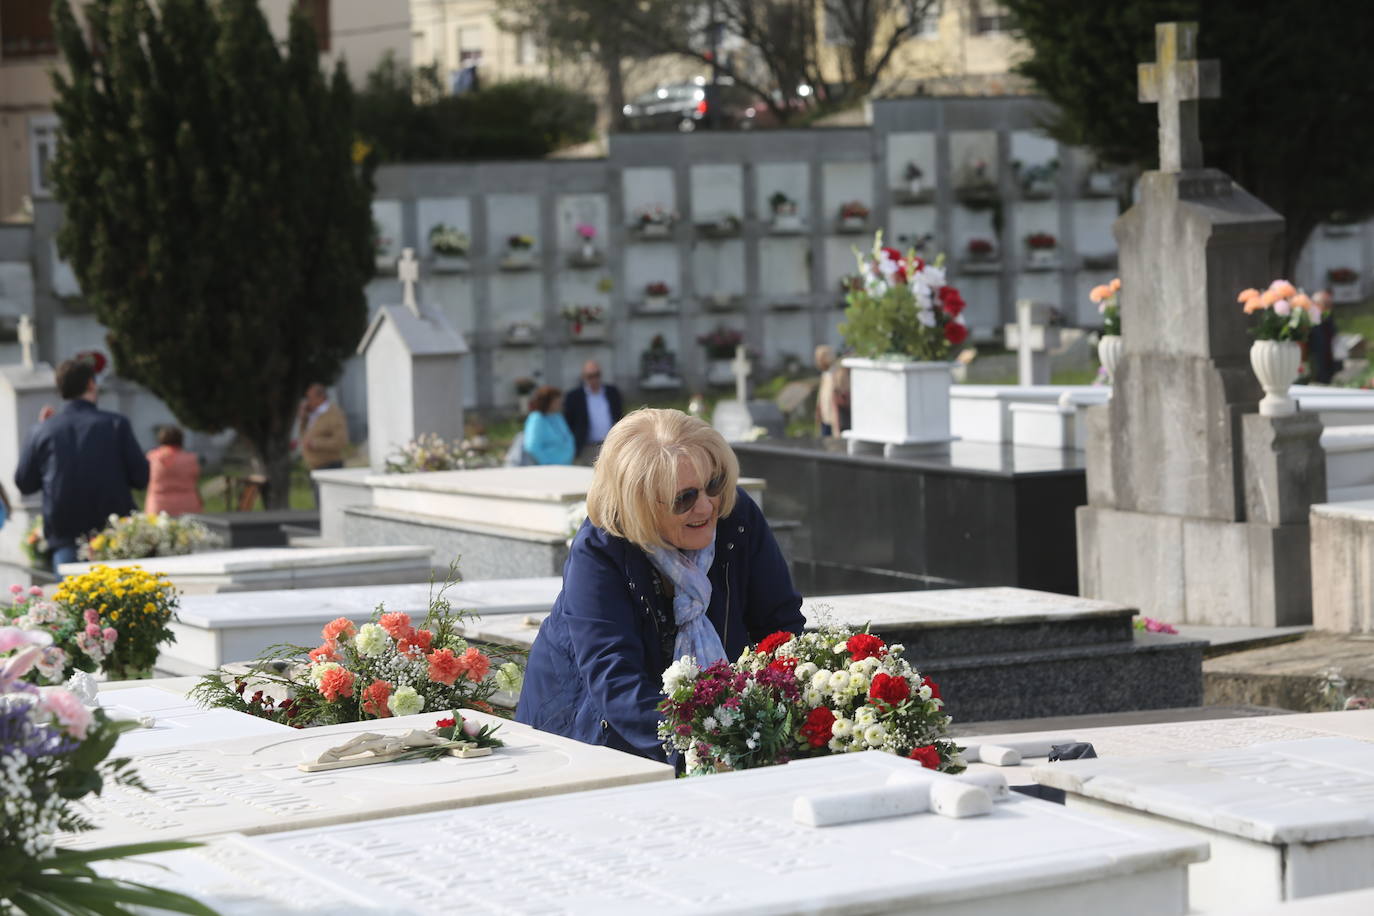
x=826 y=423
x=547 y=437
x=173 y=476
x=1322 y=364
x=5 y=509
x=323 y=432
x=84 y=460
x=591 y=409
x=674 y=559
x=840 y=384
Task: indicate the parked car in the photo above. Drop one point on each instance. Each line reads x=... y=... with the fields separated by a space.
x=688 y=106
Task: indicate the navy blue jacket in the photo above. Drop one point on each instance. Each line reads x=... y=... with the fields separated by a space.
x=84 y=460
x=596 y=670
x=575 y=411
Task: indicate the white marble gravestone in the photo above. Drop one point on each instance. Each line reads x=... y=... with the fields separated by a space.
x=252 y=785
x=723 y=844
x=178 y=722
x=414 y=372
x=212 y=630
x=1286 y=819
x=258 y=568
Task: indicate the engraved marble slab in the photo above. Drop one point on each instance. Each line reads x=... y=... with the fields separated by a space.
x=177 y=721
x=961 y=607
x=251 y=785
x=721 y=844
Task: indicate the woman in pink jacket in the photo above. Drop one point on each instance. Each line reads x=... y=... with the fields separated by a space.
x=173 y=475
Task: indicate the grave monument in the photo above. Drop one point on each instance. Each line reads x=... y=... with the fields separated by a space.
x=1198 y=505
x=414 y=372
x=737 y=419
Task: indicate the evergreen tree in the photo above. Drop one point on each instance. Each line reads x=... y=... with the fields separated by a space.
x=1296 y=114
x=213 y=213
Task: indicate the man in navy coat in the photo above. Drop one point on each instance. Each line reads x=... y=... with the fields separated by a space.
x=85 y=460
x=591 y=409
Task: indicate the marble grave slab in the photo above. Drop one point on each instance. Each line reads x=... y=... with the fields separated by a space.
x=176 y=720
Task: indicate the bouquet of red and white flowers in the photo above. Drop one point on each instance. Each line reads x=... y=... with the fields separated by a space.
x=902 y=307
x=824 y=692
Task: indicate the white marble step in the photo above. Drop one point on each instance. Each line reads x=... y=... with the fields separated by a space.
x=1349 y=456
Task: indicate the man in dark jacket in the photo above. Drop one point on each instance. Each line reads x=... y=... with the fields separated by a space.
x=85 y=461
x=591 y=409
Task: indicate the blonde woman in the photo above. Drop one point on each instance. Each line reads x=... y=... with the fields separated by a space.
x=674 y=559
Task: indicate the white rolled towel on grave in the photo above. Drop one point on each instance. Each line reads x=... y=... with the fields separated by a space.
x=996 y=754
x=990 y=781
x=999 y=755
x=947 y=797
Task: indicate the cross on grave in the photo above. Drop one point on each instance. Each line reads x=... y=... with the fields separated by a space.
x=739 y=367
x=408 y=270
x=26 y=340
x=1176 y=81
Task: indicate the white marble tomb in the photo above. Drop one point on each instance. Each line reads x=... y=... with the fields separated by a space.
x=1285 y=820
x=260 y=568
x=251 y=785
x=213 y=630
x=721 y=844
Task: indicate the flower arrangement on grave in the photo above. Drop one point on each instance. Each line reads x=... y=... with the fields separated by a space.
x=980 y=249
x=854 y=210
x=655 y=215
x=55 y=752
x=520 y=242
x=111 y=619
x=905 y=308
x=782 y=205
x=1286 y=312
x=525 y=386
x=720 y=343
x=1038 y=178
x=1105 y=297
x=1342 y=275
x=432 y=452
x=1041 y=241
x=586 y=232
x=825 y=692
x=579 y=316
x=36 y=547
x=138 y=536
x=385 y=667
x=657 y=289
x=448 y=241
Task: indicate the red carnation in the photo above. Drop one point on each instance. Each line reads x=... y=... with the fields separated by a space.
x=934 y=688
x=888 y=689
x=892 y=254
x=864 y=645
x=956 y=333
x=446 y=723
x=951 y=301
x=784 y=663
x=818 y=726
x=927 y=756
x=769 y=644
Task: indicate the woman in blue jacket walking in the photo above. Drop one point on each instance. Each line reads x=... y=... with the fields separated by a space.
x=548 y=440
x=673 y=560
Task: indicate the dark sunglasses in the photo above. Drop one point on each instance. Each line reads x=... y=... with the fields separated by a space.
x=592 y=376
x=685 y=500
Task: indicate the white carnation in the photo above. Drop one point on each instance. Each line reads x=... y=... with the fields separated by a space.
x=679 y=673
x=371 y=640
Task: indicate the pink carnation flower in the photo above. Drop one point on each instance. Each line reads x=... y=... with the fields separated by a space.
x=339 y=628
x=476 y=663
x=90 y=616
x=110 y=634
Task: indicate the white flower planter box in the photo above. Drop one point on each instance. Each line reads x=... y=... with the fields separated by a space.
x=896 y=403
x=655 y=230
x=657 y=305
x=853 y=224
x=1042 y=258
x=518 y=259
x=592 y=332
x=450 y=263
x=787 y=224
x=1345 y=292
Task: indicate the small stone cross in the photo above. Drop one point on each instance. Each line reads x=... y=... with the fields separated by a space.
x=1176 y=81
x=26 y=340
x=408 y=269
x=739 y=367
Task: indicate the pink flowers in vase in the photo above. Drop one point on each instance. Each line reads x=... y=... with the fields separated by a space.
x=1286 y=312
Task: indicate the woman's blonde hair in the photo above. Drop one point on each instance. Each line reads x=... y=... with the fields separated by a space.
x=635 y=480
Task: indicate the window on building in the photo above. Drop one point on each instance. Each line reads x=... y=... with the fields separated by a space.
x=929 y=18
x=990 y=18
x=317 y=11
x=26 y=28
x=469 y=47
x=42 y=151
x=526 y=49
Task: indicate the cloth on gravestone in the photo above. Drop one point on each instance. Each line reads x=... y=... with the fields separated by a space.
x=686 y=569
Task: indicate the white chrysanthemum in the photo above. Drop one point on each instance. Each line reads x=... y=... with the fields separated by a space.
x=836 y=746
x=874 y=735
x=405 y=702
x=509 y=677
x=820 y=681
x=812 y=697
x=865 y=716
x=839 y=680
x=842 y=728
x=858 y=681
x=371 y=640
x=679 y=673
x=709 y=723
x=805 y=671
x=925 y=692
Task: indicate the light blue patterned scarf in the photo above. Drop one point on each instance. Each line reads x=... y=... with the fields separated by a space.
x=687 y=569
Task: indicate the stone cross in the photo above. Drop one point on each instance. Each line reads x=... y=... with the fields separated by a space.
x=1176 y=81
x=408 y=269
x=739 y=367
x=1034 y=341
x=26 y=340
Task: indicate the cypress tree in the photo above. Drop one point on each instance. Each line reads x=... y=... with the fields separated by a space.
x=213 y=214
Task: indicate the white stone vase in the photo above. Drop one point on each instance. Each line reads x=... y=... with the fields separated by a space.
x=896 y=402
x=1109 y=352
x=1276 y=366
x=588 y=250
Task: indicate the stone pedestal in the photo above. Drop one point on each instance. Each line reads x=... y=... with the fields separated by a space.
x=23 y=392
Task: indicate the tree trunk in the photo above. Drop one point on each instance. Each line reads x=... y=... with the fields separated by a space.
x=274 y=457
x=615 y=85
